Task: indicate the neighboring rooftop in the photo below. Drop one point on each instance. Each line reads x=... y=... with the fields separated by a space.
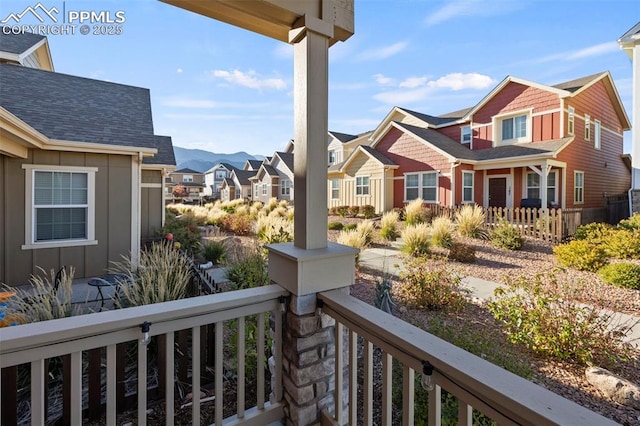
x=578 y=83
x=343 y=137
x=165 y=152
x=188 y=171
x=18 y=43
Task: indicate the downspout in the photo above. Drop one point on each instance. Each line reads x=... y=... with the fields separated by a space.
x=455 y=164
x=136 y=196
x=384 y=190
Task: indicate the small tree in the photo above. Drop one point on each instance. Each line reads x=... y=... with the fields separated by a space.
x=180 y=191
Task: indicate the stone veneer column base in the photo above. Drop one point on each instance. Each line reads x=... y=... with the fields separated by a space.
x=635 y=201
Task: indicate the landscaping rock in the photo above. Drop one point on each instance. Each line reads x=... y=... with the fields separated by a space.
x=613 y=387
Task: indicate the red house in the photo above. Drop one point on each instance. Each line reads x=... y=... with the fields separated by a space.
x=558 y=145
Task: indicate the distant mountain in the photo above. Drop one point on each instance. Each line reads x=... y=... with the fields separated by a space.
x=201 y=161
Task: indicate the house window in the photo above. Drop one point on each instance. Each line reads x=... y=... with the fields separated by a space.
x=264 y=189
x=362 y=185
x=596 y=134
x=238 y=193
x=467 y=187
x=465 y=135
x=187 y=178
x=572 y=118
x=515 y=129
x=578 y=187
x=423 y=185
x=587 y=127
x=285 y=187
x=221 y=174
x=533 y=186
x=335 y=189
x=332 y=157
x=61 y=206
x=255 y=190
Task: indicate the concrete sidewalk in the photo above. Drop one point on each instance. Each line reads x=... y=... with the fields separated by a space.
x=388 y=261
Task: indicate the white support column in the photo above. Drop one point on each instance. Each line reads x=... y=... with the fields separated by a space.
x=635 y=130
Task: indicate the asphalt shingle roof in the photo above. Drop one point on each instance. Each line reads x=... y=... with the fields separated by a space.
x=77 y=109
x=18 y=43
x=255 y=164
x=343 y=137
x=188 y=171
x=287 y=158
x=578 y=83
x=430 y=119
x=270 y=170
x=378 y=155
x=244 y=175
x=165 y=153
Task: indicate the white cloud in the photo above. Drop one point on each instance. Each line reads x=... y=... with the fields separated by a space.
x=415 y=89
x=459 y=81
x=179 y=70
x=591 y=51
x=383 y=80
x=413 y=82
x=457 y=8
x=384 y=52
x=250 y=79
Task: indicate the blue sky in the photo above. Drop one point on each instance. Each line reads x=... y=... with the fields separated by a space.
x=222 y=89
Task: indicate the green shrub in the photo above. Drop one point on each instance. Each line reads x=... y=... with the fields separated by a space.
x=414 y=212
x=184 y=229
x=237 y=224
x=506 y=236
x=462 y=252
x=213 y=251
x=595 y=232
x=368 y=211
x=249 y=271
x=442 y=232
x=343 y=211
x=350 y=227
x=633 y=223
x=416 y=239
x=470 y=221
x=623 y=244
x=626 y=275
x=384 y=297
x=335 y=226
x=537 y=314
x=581 y=255
x=163 y=275
x=429 y=284
x=388 y=225
x=353 y=211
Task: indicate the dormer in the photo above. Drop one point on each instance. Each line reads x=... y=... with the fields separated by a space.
x=26 y=49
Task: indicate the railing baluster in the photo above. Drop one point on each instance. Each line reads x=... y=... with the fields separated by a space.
x=241 y=373
x=339 y=371
x=219 y=374
x=435 y=405
x=169 y=377
x=195 y=375
x=387 y=381
x=111 y=385
x=142 y=384
x=408 y=395
x=368 y=383
x=353 y=377
x=261 y=348
x=465 y=414
x=37 y=392
x=76 y=388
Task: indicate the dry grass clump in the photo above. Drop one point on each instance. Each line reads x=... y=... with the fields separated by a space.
x=366 y=229
x=416 y=239
x=388 y=225
x=414 y=212
x=470 y=221
x=274 y=229
x=442 y=229
x=42 y=303
x=163 y=275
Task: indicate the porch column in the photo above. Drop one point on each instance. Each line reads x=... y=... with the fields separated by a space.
x=635 y=133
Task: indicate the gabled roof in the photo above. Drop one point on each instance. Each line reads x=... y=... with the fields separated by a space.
x=18 y=43
x=226 y=166
x=430 y=119
x=188 y=171
x=286 y=157
x=227 y=182
x=254 y=164
x=243 y=176
x=264 y=169
x=456 y=151
x=165 y=155
x=630 y=39
x=364 y=150
x=577 y=84
x=342 y=137
x=75 y=109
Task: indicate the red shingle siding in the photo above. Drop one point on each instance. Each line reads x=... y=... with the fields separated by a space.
x=412 y=155
x=452 y=132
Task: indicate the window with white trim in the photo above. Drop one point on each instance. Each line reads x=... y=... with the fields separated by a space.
x=587 y=127
x=571 y=121
x=515 y=128
x=332 y=157
x=596 y=134
x=264 y=189
x=465 y=135
x=578 y=187
x=285 y=187
x=221 y=174
x=255 y=190
x=61 y=206
x=467 y=187
x=238 y=193
x=187 y=178
x=362 y=185
x=421 y=185
x=335 y=189
x=533 y=186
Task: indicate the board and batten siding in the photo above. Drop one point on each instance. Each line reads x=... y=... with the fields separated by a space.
x=112 y=217
x=151 y=203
